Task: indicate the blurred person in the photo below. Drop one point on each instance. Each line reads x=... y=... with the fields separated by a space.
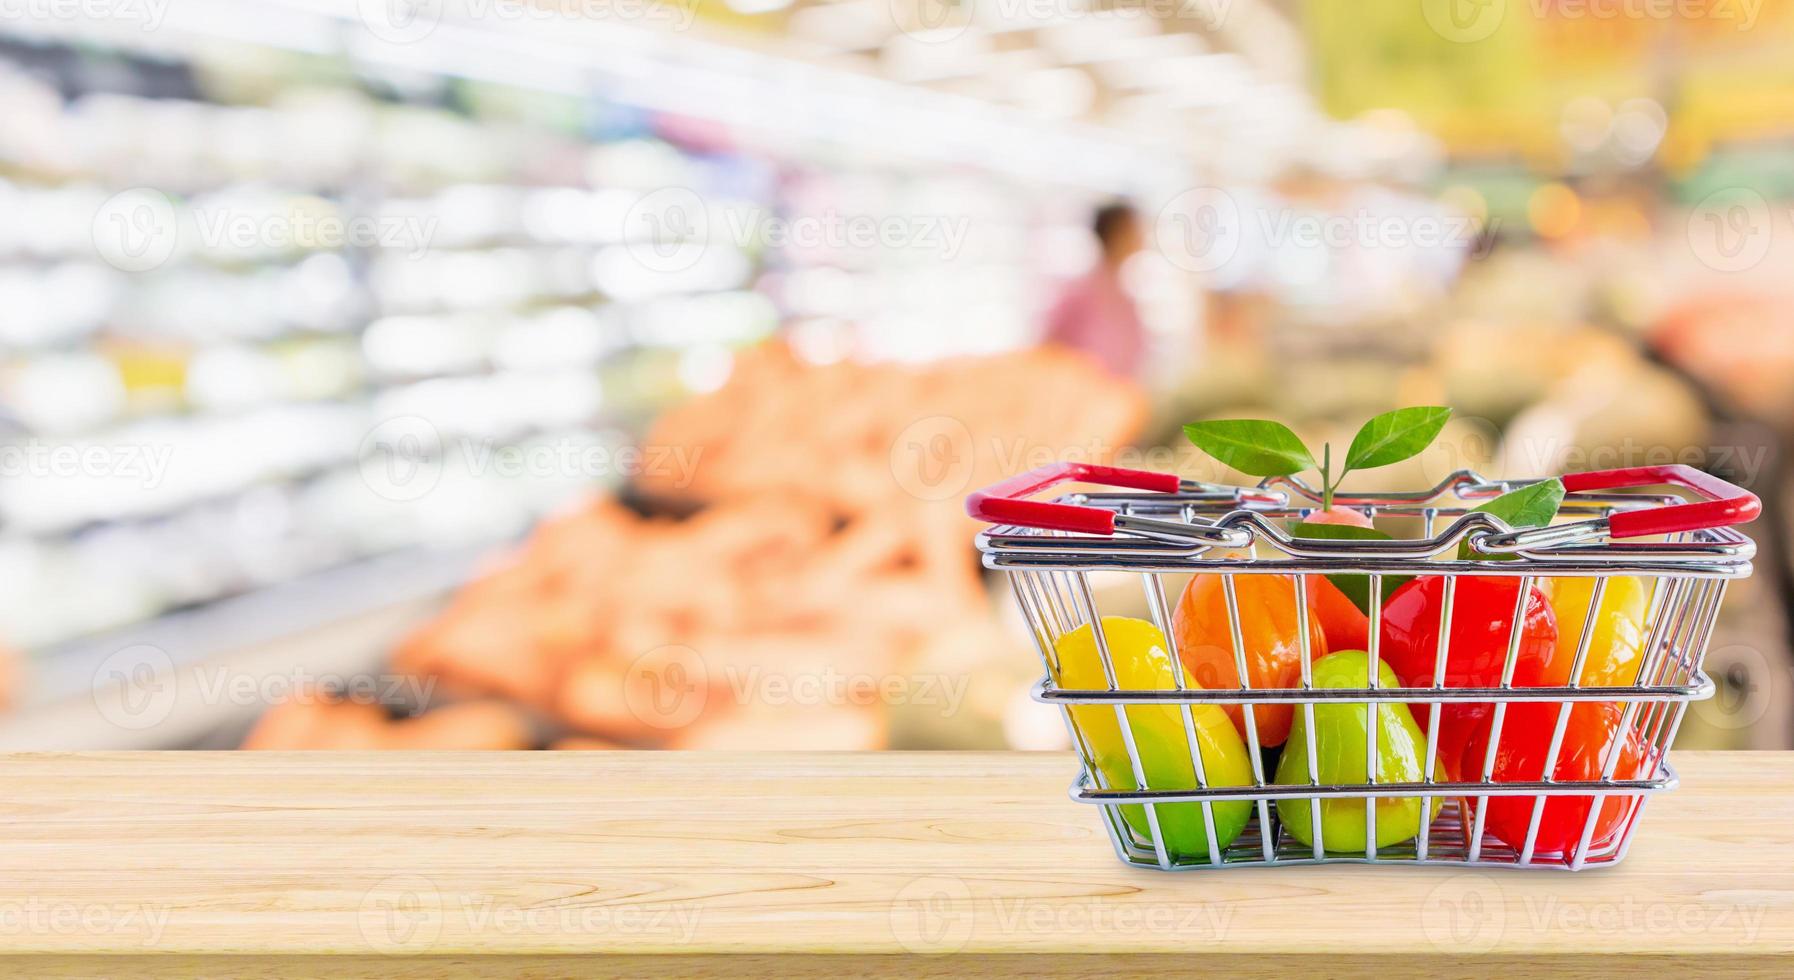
x=1095 y=314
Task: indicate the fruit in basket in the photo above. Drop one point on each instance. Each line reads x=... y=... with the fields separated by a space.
x=1342 y=623
x=1340 y=742
x=1617 y=644
x=1143 y=662
x=1525 y=743
x=1354 y=588
x=1270 y=632
x=1339 y=516
x=1482 y=620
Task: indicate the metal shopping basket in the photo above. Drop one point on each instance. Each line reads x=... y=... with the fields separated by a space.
x=1163 y=529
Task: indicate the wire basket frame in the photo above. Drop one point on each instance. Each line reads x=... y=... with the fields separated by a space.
x=1230 y=533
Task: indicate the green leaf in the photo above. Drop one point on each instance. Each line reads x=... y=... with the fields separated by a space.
x=1394 y=436
x=1529 y=506
x=1355 y=587
x=1253 y=446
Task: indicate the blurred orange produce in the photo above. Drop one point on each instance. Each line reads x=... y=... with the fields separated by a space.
x=327 y=723
x=600 y=607
x=862 y=434
x=826 y=548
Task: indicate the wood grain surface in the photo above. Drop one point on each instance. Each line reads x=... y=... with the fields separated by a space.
x=534 y=864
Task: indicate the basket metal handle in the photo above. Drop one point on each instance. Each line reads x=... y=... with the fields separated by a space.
x=1005 y=503
x=1724 y=504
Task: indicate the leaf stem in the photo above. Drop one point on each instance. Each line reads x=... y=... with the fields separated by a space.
x=1326 y=483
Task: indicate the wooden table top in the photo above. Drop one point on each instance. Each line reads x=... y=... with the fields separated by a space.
x=272 y=864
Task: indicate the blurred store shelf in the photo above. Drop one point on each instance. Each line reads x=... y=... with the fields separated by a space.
x=199 y=678
x=307 y=304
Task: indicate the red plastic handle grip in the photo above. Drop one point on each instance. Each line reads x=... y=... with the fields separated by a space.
x=1003 y=503
x=1726 y=503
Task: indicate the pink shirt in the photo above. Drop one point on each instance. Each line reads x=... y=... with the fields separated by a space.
x=1095 y=315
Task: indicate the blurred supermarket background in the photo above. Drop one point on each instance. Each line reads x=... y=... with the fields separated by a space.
x=583 y=373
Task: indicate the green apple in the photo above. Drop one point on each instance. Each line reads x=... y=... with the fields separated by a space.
x=1340 y=732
